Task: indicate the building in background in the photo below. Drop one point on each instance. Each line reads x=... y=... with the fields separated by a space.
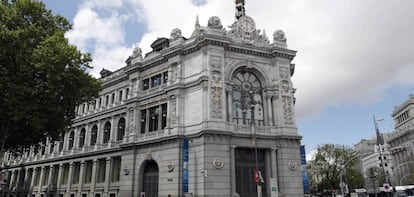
x=401 y=142
x=195 y=116
x=370 y=157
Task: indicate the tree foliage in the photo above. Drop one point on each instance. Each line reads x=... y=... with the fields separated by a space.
x=329 y=161
x=42 y=76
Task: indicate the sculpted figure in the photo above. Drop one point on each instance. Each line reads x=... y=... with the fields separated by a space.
x=175 y=34
x=214 y=22
x=279 y=36
x=137 y=52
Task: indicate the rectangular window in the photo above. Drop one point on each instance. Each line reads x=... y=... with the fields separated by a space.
x=164 y=77
x=120 y=96
x=145 y=84
x=88 y=172
x=126 y=93
x=143 y=120
x=113 y=98
x=116 y=169
x=37 y=177
x=30 y=174
x=101 y=170
x=100 y=102
x=55 y=175
x=76 y=172
x=65 y=174
x=107 y=100
x=156 y=80
x=164 y=115
x=153 y=121
x=46 y=172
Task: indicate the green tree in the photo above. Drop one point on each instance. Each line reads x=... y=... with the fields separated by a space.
x=42 y=77
x=329 y=162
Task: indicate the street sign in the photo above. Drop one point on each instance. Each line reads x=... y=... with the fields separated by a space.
x=273 y=187
x=387 y=187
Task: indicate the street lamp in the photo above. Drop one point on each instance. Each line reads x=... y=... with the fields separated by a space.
x=250 y=102
x=380 y=141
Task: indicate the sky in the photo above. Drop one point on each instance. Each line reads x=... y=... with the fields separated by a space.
x=355 y=58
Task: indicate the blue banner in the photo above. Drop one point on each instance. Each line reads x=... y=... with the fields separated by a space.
x=304 y=173
x=185 y=166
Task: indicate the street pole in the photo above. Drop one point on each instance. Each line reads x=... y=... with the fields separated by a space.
x=380 y=141
x=259 y=187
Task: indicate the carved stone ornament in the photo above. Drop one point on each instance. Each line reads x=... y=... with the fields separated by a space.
x=218 y=163
x=214 y=22
x=148 y=155
x=216 y=102
x=170 y=166
x=287 y=110
x=279 y=36
x=173 y=109
x=137 y=52
x=175 y=34
x=131 y=120
x=215 y=62
x=292 y=165
x=284 y=73
x=244 y=30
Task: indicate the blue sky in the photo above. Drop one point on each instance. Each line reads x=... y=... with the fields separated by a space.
x=355 y=58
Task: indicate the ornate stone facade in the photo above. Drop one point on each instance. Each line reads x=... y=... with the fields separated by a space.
x=184 y=119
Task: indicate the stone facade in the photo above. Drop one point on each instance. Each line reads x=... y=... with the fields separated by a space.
x=228 y=93
x=402 y=141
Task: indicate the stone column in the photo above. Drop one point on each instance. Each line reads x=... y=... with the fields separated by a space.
x=49 y=179
x=59 y=181
x=270 y=111
x=87 y=142
x=233 y=171
x=42 y=173
x=76 y=138
x=127 y=117
x=230 y=105
x=12 y=180
x=32 y=182
x=107 y=176
x=93 y=181
x=113 y=131
x=273 y=163
x=81 y=172
x=26 y=179
x=70 y=178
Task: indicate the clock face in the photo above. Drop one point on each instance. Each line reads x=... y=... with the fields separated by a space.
x=246 y=24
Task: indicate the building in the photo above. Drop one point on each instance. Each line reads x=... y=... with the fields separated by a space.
x=370 y=156
x=193 y=117
x=401 y=142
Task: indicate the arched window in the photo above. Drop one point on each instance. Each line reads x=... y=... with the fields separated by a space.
x=121 y=129
x=82 y=137
x=107 y=132
x=247 y=103
x=94 y=135
x=71 y=139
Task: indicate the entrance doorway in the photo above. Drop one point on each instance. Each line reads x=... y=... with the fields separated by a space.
x=150 y=179
x=245 y=164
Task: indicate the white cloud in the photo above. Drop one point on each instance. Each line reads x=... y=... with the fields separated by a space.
x=349 y=52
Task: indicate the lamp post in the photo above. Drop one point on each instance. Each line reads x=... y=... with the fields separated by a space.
x=380 y=141
x=250 y=102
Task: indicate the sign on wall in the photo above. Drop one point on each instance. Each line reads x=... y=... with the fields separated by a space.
x=185 y=165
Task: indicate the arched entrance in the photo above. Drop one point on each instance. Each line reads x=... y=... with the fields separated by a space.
x=150 y=179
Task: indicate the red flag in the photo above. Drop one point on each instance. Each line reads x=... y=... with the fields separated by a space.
x=256 y=175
